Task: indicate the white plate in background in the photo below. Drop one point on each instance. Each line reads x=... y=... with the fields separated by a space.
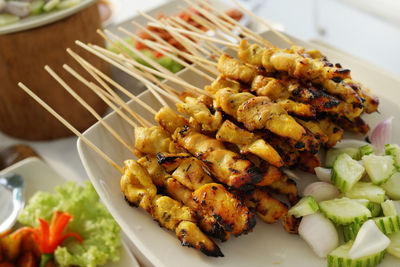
x=39 y=176
x=43 y=19
x=267 y=245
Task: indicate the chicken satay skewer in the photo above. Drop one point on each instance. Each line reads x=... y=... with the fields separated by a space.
x=70 y=127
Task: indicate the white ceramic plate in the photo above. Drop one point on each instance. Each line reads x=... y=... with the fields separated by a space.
x=40 y=177
x=43 y=19
x=267 y=245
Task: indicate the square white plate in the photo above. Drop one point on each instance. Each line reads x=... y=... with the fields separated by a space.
x=267 y=245
x=39 y=176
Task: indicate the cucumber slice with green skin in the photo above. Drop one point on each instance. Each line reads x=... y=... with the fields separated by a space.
x=37 y=7
x=346 y=172
x=365 y=150
x=388 y=224
x=6 y=19
x=350 y=231
x=52 y=4
x=379 y=168
x=344 y=211
x=394 y=247
x=340 y=258
x=375 y=209
x=394 y=151
x=332 y=154
x=68 y=4
x=392 y=186
x=306 y=206
x=388 y=208
x=368 y=191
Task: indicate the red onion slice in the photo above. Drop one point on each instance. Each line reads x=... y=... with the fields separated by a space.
x=381 y=135
x=319 y=233
x=324 y=174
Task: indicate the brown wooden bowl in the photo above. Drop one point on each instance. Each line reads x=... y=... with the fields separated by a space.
x=22 y=58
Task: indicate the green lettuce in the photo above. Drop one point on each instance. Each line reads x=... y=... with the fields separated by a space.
x=100 y=233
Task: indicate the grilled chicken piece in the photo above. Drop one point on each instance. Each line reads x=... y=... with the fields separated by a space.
x=191 y=174
x=236 y=70
x=291 y=224
x=288 y=153
x=157 y=173
x=206 y=222
x=171 y=161
x=226 y=166
x=190 y=235
x=264 y=150
x=356 y=125
x=269 y=209
x=298 y=109
x=267 y=86
x=230 y=101
x=271 y=174
x=371 y=102
x=298 y=66
x=308 y=162
x=169 y=120
x=333 y=131
x=201 y=113
x=286 y=187
x=224 y=82
x=228 y=209
x=137 y=186
x=315 y=129
x=152 y=140
x=260 y=113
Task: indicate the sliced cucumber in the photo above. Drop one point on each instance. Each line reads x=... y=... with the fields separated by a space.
x=365 y=150
x=37 y=7
x=332 y=154
x=340 y=258
x=350 y=231
x=388 y=224
x=6 y=19
x=344 y=211
x=346 y=172
x=306 y=206
x=392 y=186
x=68 y=4
x=52 y=4
x=368 y=191
x=394 y=247
x=394 y=151
x=388 y=208
x=379 y=168
x=375 y=208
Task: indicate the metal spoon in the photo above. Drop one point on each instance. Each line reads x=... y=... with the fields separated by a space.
x=14 y=199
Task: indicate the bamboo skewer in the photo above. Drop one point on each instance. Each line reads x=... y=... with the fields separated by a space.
x=180 y=61
x=111 y=94
x=111 y=81
x=89 y=108
x=70 y=127
x=251 y=13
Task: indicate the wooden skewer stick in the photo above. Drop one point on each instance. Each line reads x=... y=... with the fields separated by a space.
x=172 y=56
x=111 y=94
x=173 y=49
x=178 y=22
x=251 y=13
x=205 y=37
x=70 y=127
x=242 y=29
x=112 y=82
x=105 y=97
x=96 y=51
x=89 y=108
x=220 y=24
